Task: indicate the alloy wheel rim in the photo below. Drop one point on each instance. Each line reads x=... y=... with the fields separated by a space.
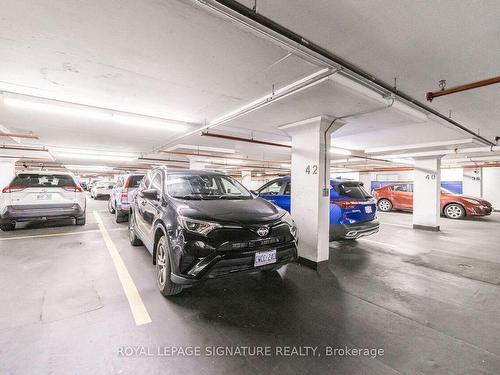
x=161 y=265
x=384 y=205
x=454 y=211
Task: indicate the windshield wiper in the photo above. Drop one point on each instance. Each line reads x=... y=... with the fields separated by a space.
x=188 y=197
x=235 y=197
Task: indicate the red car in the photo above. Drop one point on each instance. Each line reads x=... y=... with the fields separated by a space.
x=453 y=206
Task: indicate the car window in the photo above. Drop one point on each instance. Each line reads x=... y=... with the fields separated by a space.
x=134 y=181
x=403 y=188
x=43 y=180
x=288 y=189
x=352 y=190
x=272 y=189
x=156 y=182
x=205 y=187
x=146 y=181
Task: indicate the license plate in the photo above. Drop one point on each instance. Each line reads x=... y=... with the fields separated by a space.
x=43 y=197
x=368 y=209
x=265 y=257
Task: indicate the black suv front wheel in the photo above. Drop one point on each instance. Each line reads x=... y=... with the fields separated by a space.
x=163 y=270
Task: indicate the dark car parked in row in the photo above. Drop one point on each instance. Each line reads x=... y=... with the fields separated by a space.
x=352 y=209
x=200 y=225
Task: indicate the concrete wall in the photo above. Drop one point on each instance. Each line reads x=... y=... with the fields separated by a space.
x=491 y=186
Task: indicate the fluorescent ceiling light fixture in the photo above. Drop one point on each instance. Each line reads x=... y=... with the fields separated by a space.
x=89 y=112
x=286 y=165
x=149 y=122
x=95 y=157
x=339 y=151
x=97 y=168
x=202 y=148
x=58 y=150
x=56 y=108
x=403 y=161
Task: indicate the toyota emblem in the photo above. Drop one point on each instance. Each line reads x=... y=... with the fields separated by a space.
x=263 y=231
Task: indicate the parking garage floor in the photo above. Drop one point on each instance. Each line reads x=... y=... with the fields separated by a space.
x=64 y=308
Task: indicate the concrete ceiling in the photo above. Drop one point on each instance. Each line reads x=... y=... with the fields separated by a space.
x=176 y=61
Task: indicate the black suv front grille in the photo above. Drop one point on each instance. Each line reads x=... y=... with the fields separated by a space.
x=246 y=238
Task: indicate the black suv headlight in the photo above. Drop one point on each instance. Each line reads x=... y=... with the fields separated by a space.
x=287 y=218
x=198 y=226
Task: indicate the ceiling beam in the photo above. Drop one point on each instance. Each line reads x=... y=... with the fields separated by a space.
x=415 y=146
x=284 y=36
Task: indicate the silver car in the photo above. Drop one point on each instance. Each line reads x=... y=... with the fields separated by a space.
x=122 y=194
x=101 y=189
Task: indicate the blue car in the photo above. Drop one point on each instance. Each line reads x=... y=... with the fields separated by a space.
x=352 y=209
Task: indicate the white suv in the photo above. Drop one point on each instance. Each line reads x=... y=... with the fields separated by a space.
x=101 y=189
x=41 y=195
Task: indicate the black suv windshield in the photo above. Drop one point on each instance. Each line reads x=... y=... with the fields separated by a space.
x=205 y=187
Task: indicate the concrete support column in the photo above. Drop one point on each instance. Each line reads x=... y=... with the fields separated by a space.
x=366 y=179
x=427 y=193
x=246 y=179
x=310 y=200
x=7 y=171
x=473 y=182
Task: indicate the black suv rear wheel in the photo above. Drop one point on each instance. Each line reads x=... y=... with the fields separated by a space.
x=163 y=270
x=7 y=227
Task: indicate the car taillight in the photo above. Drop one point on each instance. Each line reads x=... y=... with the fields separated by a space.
x=127 y=183
x=124 y=195
x=12 y=189
x=345 y=205
x=73 y=188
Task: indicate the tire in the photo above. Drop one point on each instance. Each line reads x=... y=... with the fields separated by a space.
x=8 y=227
x=384 y=205
x=163 y=270
x=119 y=217
x=454 y=211
x=134 y=240
x=110 y=207
x=81 y=220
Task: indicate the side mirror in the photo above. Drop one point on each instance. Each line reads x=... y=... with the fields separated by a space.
x=254 y=193
x=151 y=194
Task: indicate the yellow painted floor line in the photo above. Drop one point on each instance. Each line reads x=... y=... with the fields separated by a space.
x=57 y=234
x=139 y=311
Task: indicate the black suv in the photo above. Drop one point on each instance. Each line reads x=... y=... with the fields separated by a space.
x=200 y=225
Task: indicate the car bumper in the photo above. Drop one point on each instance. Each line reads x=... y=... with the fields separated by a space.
x=16 y=213
x=223 y=264
x=479 y=211
x=123 y=208
x=353 y=231
x=102 y=194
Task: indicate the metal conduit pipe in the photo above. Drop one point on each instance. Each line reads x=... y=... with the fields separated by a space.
x=319 y=55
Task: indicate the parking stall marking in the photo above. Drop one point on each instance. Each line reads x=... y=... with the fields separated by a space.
x=57 y=234
x=137 y=307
